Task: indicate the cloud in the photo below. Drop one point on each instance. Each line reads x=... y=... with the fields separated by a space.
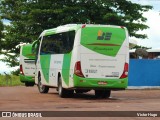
x=153 y=17
x=6 y=22
x=153 y=32
x=6 y=68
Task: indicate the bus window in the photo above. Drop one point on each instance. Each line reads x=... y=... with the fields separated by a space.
x=58 y=43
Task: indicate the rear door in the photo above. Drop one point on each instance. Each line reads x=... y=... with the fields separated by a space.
x=101 y=51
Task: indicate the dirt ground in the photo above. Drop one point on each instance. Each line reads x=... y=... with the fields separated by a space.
x=23 y=98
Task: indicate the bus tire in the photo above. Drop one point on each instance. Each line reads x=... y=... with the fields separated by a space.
x=81 y=91
x=63 y=93
x=29 y=84
x=42 y=88
x=102 y=93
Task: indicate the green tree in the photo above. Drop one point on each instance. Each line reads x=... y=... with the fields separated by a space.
x=30 y=17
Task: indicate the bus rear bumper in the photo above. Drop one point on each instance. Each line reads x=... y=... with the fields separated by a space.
x=24 y=78
x=94 y=83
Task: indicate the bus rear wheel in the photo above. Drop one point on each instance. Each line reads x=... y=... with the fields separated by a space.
x=81 y=91
x=102 y=93
x=42 y=88
x=62 y=91
x=29 y=84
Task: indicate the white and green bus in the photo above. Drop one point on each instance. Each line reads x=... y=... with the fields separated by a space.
x=80 y=58
x=27 y=65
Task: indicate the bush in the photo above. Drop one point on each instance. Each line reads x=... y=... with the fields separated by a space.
x=10 y=80
x=16 y=72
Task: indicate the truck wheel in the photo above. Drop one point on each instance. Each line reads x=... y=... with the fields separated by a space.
x=102 y=93
x=62 y=91
x=42 y=88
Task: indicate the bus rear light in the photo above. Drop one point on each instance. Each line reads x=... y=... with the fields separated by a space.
x=122 y=27
x=125 y=71
x=78 y=70
x=21 y=70
x=83 y=26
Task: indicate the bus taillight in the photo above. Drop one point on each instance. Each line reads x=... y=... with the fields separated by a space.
x=125 y=71
x=122 y=27
x=78 y=70
x=83 y=26
x=21 y=70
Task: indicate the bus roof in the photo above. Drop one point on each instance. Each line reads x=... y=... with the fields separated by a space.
x=70 y=27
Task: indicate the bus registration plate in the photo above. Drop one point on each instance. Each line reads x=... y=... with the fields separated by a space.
x=102 y=83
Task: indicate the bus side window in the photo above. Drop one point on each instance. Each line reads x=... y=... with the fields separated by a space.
x=67 y=41
x=59 y=43
x=71 y=39
x=35 y=49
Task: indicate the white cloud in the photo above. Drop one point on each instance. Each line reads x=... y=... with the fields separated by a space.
x=153 y=18
x=153 y=32
x=5 y=68
x=6 y=22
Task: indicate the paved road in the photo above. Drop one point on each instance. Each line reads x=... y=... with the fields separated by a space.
x=23 y=98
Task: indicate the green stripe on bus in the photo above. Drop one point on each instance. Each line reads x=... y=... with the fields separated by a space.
x=45 y=65
x=66 y=67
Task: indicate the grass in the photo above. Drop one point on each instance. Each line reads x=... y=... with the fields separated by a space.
x=13 y=80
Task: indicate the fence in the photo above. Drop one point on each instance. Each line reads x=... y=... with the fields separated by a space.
x=144 y=73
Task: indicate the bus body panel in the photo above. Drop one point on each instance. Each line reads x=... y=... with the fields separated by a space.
x=97 y=67
x=102 y=59
x=27 y=63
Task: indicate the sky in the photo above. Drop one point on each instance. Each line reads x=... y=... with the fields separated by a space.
x=153 y=22
x=5 y=68
x=153 y=32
